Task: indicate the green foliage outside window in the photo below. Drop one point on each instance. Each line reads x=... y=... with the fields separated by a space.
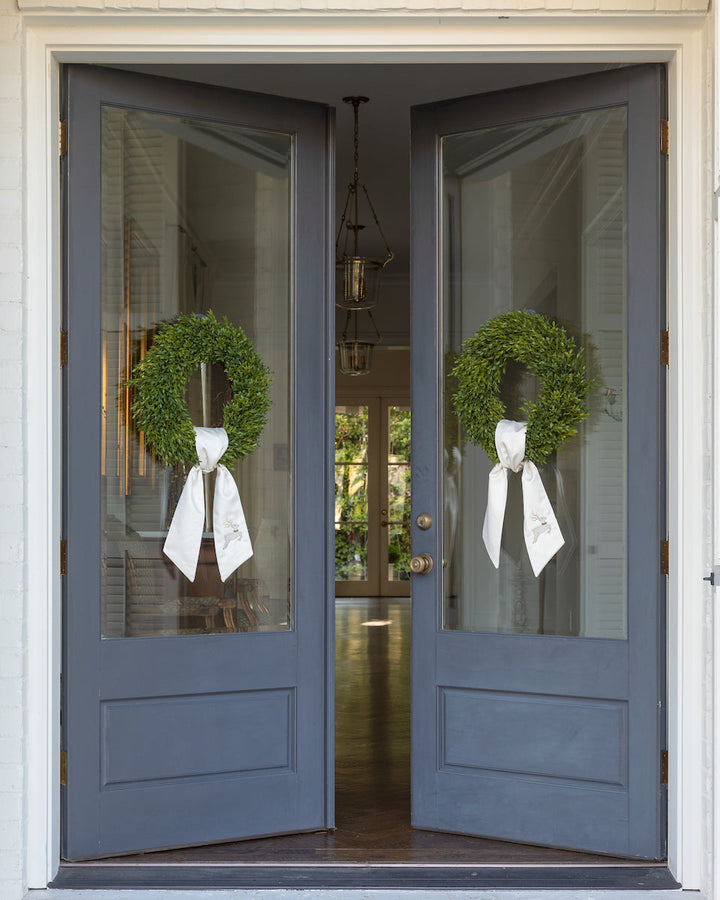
x=351 y=501
x=399 y=492
x=351 y=511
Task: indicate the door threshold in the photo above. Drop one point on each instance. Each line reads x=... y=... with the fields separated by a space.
x=344 y=864
x=426 y=876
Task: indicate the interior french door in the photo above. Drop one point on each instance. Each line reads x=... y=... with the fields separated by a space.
x=193 y=712
x=372 y=496
x=538 y=703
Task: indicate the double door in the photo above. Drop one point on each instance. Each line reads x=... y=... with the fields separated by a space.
x=199 y=711
x=372 y=497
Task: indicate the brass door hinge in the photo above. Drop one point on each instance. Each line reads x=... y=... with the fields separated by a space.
x=664 y=348
x=664 y=767
x=63 y=348
x=664 y=557
x=63 y=557
x=63 y=768
x=62 y=138
x=665 y=137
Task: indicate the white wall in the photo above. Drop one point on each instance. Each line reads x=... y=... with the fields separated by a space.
x=12 y=455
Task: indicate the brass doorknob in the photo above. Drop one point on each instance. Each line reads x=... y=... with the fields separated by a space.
x=422 y=564
x=424 y=521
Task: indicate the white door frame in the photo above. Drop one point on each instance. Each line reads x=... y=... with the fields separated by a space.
x=55 y=36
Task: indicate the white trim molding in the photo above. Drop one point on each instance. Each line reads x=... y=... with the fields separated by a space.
x=53 y=37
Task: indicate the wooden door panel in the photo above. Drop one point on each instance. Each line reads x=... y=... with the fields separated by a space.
x=538 y=703
x=193 y=712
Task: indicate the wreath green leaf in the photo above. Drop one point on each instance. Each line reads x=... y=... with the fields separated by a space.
x=548 y=352
x=159 y=382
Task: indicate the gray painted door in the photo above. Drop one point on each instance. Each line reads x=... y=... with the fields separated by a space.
x=538 y=703
x=193 y=711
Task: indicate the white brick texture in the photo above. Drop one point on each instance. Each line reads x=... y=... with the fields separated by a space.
x=374 y=7
x=12 y=550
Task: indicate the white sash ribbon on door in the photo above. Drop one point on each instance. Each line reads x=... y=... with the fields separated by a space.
x=542 y=533
x=232 y=541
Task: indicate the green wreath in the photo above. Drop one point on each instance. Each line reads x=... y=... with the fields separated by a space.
x=159 y=382
x=548 y=352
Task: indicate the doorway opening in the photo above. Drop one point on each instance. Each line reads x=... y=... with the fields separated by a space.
x=373 y=605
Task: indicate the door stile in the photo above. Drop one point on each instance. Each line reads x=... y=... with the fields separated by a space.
x=82 y=526
x=329 y=468
x=312 y=378
x=647 y=621
x=426 y=457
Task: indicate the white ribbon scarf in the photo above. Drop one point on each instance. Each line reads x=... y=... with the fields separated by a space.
x=542 y=533
x=232 y=541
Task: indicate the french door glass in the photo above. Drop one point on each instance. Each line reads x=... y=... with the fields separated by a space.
x=352 y=435
x=397 y=484
x=535 y=219
x=195 y=217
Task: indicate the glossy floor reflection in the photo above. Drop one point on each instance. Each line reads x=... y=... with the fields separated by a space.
x=372 y=666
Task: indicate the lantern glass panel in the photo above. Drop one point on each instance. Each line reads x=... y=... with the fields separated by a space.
x=355 y=357
x=358 y=282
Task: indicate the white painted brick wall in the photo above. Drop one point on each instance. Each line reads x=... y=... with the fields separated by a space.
x=710 y=752
x=375 y=7
x=12 y=577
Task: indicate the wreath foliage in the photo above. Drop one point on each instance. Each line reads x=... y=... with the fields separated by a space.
x=159 y=381
x=548 y=352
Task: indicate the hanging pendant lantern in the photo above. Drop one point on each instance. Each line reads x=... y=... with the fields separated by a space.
x=358 y=282
x=358 y=275
x=356 y=355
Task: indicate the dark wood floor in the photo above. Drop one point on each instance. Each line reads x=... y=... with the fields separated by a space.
x=372 y=768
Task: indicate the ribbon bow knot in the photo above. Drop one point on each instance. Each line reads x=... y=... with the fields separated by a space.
x=543 y=537
x=232 y=540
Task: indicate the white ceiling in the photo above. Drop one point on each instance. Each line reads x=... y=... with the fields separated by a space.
x=384 y=121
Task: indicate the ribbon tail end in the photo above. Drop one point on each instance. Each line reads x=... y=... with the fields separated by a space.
x=227 y=566
x=492 y=552
x=538 y=564
x=188 y=571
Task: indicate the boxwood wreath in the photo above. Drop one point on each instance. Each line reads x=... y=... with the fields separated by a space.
x=548 y=352
x=160 y=380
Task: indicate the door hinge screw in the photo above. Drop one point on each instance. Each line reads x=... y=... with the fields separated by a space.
x=665 y=137
x=664 y=767
x=664 y=348
x=62 y=138
x=664 y=557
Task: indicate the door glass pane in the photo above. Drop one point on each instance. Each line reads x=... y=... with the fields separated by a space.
x=195 y=216
x=534 y=217
x=398 y=485
x=351 y=493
